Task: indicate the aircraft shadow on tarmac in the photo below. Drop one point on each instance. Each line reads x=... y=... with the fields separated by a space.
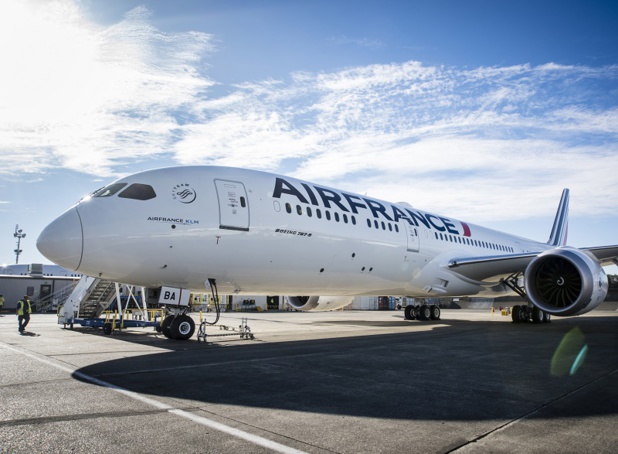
x=462 y=371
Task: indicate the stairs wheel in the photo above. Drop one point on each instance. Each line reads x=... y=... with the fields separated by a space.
x=107 y=328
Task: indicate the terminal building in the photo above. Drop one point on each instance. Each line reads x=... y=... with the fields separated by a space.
x=41 y=283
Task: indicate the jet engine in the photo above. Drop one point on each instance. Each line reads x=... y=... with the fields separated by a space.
x=565 y=281
x=319 y=303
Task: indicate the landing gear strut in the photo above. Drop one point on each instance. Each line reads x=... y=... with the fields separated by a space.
x=529 y=312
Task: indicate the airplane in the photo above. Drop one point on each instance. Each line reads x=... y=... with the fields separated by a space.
x=241 y=231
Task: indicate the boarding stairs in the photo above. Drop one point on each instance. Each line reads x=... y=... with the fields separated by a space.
x=90 y=297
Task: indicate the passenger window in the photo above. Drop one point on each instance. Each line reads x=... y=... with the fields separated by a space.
x=243 y=202
x=288 y=208
x=109 y=191
x=327 y=215
x=299 y=210
x=318 y=212
x=336 y=216
x=309 y=211
x=138 y=191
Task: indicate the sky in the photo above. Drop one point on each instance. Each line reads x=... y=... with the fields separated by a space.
x=479 y=110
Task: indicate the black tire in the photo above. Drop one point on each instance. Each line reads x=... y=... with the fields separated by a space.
x=537 y=315
x=424 y=312
x=408 y=313
x=165 y=326
x=546 y=317
x=107 y=328
x=517 y=314
x=182 y=327
x=434 y=312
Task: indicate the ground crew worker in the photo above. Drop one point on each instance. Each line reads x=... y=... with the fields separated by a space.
x=23 y=313
x=1 y=303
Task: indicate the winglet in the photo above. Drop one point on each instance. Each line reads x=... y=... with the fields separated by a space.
x=559 y=231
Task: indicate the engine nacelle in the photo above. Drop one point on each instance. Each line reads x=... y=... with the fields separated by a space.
x=319 y=303
x=565 y=281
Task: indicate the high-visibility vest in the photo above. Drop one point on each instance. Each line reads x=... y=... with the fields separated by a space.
x=20 y=307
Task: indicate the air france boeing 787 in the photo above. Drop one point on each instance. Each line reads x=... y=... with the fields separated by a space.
x=251 y=232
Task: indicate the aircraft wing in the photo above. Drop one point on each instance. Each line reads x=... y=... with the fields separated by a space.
x=487 y=267
x=607 y=255
x=494 y=266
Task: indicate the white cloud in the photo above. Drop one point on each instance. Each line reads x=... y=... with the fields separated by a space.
x=80 y=95
x=495 y=137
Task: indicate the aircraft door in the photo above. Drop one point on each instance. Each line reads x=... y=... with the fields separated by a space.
x=233 y=205
x=44 y=291
x=412 y=237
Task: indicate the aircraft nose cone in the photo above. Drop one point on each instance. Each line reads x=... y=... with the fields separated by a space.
x=62 y=240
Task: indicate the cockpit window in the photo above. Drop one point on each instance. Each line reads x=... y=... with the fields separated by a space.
x=108 y=191
x=138 y=191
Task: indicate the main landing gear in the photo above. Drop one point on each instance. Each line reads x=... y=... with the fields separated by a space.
x=529 y=312
x=423 y=312
x=520 y=314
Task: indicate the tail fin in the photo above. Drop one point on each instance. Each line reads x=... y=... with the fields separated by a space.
x=559 y=231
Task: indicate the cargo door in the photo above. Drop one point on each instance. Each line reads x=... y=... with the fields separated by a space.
x=233 y=205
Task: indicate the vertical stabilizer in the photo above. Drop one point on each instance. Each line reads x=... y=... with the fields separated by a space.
x=559 y=231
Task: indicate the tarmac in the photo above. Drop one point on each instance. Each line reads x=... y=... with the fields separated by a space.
x=336 y=382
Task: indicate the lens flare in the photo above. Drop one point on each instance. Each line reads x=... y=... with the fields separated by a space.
x=570 y=354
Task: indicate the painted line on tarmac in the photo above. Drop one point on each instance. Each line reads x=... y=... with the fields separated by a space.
x=255 y=439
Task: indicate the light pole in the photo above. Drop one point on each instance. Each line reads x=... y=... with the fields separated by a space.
x=19 y=235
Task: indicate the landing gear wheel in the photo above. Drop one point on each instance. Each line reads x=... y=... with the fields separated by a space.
x=434 y=312
x=518 y=314
x=107 y=328
x=424 y=312
x=537 y=315
x=408 y=313
x=546 y=317
x=182 y=327
x=165 y=326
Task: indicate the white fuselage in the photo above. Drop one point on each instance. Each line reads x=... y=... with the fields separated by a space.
x=260 y=233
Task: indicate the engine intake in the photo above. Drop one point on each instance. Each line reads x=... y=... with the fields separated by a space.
x=319 y=303
x=565 y=281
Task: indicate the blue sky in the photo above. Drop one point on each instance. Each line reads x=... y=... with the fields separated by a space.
x=480 y=110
